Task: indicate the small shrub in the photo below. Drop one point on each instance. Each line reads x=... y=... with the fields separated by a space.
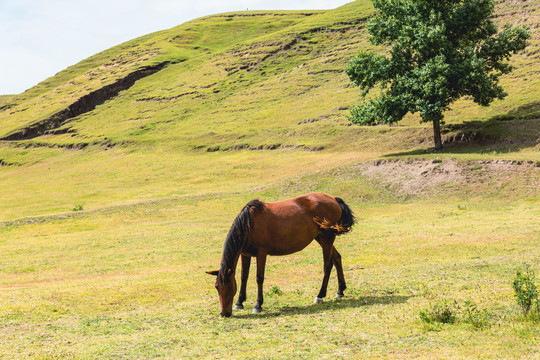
x=274 y=290
x=478 y=318
x=446 y=313
x=525 y=290
x=441 y=312
x=78 y=207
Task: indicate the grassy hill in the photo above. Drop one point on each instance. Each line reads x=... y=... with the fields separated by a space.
x=232 y=82
x=120 y=176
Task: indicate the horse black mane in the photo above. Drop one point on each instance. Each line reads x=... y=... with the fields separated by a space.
x=236 y=238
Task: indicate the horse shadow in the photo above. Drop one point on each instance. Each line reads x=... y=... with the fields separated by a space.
x=329 y=305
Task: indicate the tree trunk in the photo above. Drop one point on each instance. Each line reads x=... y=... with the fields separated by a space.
x=437 y=134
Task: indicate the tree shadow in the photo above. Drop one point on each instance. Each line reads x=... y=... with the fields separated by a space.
x=328 y=305
x=503 y=133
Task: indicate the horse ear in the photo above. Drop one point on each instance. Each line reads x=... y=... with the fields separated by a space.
x=213 y=272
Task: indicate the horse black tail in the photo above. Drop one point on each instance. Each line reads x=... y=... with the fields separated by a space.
x=236 y=238
x=344 y=224
x=347 y=217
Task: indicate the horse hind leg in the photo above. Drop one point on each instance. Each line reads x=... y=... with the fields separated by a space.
x=336 y=260
x=246 y=261
x=326 y=242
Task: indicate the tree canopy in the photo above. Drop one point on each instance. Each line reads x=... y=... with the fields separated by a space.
x=440 y=51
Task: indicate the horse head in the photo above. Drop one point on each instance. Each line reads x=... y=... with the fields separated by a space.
x=226 y=287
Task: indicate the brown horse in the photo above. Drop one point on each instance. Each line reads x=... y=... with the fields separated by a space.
x=281 y=228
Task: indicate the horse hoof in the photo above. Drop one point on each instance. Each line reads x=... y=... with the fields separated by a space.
x=339 y=296
x=318 y=300
x=238 y=307
x=256 y=310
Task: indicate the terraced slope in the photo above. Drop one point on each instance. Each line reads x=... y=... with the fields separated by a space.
x=228 y=84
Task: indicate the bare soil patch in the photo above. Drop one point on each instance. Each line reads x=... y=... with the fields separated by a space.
x=417 y=176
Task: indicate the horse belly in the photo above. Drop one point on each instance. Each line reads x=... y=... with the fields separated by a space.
x=279 y=250
x=286 y=236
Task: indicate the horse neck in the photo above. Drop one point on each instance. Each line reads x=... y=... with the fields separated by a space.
x=231 y=254
x=229 y=263
x=237 y=237
x=229 y=260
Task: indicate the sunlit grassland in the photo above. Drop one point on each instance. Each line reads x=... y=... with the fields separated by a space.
x=99 y=179
x=96 y=179
x=129 y=281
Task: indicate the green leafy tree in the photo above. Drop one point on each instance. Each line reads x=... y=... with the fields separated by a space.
x=440 y=51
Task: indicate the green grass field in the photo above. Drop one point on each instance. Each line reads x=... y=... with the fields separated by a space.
x=129 y=281
x=108 y=222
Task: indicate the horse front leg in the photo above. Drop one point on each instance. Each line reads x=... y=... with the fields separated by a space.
x=261 y=263
x=327 y=247
x=246 y=261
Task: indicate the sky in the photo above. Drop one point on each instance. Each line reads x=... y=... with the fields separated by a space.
x=39 y=38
